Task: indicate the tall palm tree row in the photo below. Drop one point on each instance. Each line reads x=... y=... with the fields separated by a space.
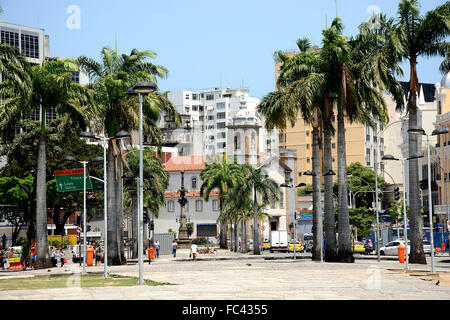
x=421 y=36
x=114 y=111
x=355 y=78
x=50 y=87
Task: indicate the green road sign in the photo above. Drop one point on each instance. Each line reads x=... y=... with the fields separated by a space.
x=72 y=180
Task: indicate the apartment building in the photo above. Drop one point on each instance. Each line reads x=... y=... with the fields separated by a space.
x=209 y=112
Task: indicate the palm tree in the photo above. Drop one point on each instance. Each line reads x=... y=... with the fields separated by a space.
x=258 y=182
x=421 y=35
x=154 y=187
x=13 y=66
x=51 y=87
x=222 y=176
x=114 y=111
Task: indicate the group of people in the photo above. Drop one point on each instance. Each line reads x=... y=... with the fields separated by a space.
x=54 y=259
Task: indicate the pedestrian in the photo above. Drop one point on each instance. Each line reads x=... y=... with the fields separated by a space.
x=98 y=255
x=157 y=248
x=61 y=257
x=53 y=256
x=2 y=258
x=33 y=254
x=194 y=251
x=174 y=248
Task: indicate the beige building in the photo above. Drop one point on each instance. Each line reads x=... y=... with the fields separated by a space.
x=442 y=147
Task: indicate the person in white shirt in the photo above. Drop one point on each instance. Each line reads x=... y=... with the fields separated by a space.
x=194 y=251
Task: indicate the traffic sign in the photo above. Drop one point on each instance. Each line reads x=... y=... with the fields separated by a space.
x=79 y=229
x=72 y=180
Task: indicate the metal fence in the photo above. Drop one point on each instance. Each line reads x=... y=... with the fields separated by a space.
x=165 y=242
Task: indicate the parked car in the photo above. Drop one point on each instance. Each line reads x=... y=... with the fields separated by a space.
x=391 y=249
x=358 y=247
x=298 y=246
x=266 y=245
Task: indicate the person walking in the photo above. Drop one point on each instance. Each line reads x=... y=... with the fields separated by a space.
x=53 y=257
x=61 y=256
x=174 y=248
x=98 y=255
x=194 y=251
x=157 y=246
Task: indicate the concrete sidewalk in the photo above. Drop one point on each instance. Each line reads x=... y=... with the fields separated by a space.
x=240 y=276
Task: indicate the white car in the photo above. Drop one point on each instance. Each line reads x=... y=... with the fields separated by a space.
x=391 y=249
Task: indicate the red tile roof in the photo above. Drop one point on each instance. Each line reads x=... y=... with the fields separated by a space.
x=185 y=163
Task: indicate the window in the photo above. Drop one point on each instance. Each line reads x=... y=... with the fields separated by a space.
x=220 y=125
x=194 y=108
x=220 y=105
x=201 y=118
x=194 y=183
x=186 y=109
x=209 y=97
x=30 y=45
x=221 y=135
x=198 y=205
x=282 y=200
x=194 y=96
x=307 y=160
x=170 y=206
x=221 y=145
x=281 y=137
x=237 y=141
x=75 y=76
x=307 y=133
x=11 y=38
x=215 y=205
x=188 y=96
x=210 y=117
x=307 y=146
x=221 y=115
x=333 y=145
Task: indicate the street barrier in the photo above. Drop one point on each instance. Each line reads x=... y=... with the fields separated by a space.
x=401 y=253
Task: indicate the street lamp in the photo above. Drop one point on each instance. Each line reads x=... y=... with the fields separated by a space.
x=73 y=159
x=286 y=185
x=320 y=231
x=421 y=131
x=140 y=89
x=120 y=135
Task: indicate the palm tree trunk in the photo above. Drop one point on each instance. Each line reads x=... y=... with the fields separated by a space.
x=256 y=243
x=119 y=200
x=236 y=235
x=317 y=220
x=416 y=254
x=113 y=249
x=329 y=221
x=222 y=229
x=345 y=253
x=134 y=224
x=42 y=254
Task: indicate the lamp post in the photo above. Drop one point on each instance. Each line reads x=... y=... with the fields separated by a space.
x=140 y=89
x=286 y=185
x=405 y=219
x=421 y=131
x=320 y=231
x=119 y=135
x=73 y=159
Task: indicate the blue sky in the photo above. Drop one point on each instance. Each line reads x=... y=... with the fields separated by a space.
x=203 y=43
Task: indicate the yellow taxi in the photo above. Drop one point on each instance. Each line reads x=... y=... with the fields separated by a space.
x=358 y=247
x=298 y=246
x=266 y=245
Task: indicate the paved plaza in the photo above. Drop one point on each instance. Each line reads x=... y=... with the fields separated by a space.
x=236 y=276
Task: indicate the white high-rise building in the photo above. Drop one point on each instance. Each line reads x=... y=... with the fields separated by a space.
x=209 y=112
